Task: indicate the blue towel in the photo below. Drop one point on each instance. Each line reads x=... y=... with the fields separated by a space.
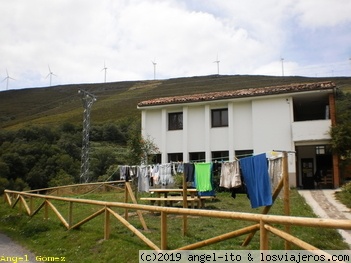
x=255 y=172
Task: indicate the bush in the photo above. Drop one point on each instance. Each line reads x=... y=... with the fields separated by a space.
x=4 y=184
x=346 y=188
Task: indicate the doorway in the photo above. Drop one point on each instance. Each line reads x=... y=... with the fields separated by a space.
x=314 y=167
x=307 y=171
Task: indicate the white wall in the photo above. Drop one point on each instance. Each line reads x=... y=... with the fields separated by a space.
x=311 y=130
x=271 y=124
x=259 y=124
x=196 y=129
x=242 y=122
x=153 y=126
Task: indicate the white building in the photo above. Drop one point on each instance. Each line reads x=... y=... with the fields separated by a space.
x=225 y=125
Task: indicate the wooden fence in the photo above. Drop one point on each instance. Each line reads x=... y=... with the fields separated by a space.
x=261 y=222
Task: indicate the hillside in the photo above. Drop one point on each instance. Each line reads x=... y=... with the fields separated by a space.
x=59 y=104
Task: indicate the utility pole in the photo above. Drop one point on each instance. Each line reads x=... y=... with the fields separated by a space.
x=88 y=99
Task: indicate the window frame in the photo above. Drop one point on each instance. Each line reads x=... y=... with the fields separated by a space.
x=200 y=156
x=175 y=157
x=321 y=150
x=219 y=119
x=173 y=122
x=220 y=156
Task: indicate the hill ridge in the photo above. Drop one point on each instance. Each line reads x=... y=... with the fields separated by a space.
x=115 y=100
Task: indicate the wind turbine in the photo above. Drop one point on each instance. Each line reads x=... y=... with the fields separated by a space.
x=282 y=60
x=50 y=74
x=154 y=63
x=217 y=61
x=105 y=70
x=7 y=79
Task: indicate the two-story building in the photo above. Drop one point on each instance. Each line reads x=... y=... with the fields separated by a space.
x=237 y=123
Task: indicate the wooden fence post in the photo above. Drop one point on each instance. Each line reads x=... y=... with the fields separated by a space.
x=31 y=204
x=185 y=205
x=163 y=230
x=263 y=236
x=286 y=194
x=46 y=210
x=126 y=194
x=107 y=224
x=70 y=214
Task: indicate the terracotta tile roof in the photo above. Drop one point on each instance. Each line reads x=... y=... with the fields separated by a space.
x=251 y=92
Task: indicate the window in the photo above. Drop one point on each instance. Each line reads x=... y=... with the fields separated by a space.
x=243 y=153
x=220 y=118
x=175 y=157
x=220 y=156
x=197 y=157
x=155 y=158
x=175 y=121
x=320 y=150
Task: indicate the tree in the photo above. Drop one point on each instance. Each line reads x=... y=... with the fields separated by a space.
x=140 y=150
x=341 y=132
x=4 y=184
x=62 y=178
x=101 y=160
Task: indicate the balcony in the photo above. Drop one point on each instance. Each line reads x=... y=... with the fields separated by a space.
x=311 y=130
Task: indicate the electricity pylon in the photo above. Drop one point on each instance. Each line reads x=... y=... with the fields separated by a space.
x=88 y=99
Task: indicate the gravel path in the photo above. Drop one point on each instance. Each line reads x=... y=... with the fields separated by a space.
x=10 y=251
x=325 y=205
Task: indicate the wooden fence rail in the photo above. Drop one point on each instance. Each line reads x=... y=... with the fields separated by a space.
x=262 y=222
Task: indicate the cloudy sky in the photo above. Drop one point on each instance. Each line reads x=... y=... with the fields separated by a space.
x=76 y=38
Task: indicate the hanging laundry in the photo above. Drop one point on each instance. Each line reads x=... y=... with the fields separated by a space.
x=155 y=174
x=143 y=176
x=275 y=168
x=230 y=175
x=255 y=173
x=180 y=167
x=203 y=178
x=189 y=172
x=240 y=190
x=124 y=172
x=216 y=167
x=165 y=174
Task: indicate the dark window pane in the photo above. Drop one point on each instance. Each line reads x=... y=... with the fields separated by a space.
x=219 y=118
x=224 y=118
x=175 y=121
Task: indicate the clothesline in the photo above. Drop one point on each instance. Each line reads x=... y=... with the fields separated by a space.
x=236 y=156
x=258 y=178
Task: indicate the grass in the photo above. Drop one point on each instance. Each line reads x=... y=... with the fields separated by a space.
x=344 y=196
x=50 y=237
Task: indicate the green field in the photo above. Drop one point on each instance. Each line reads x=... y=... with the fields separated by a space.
x=87 y=244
